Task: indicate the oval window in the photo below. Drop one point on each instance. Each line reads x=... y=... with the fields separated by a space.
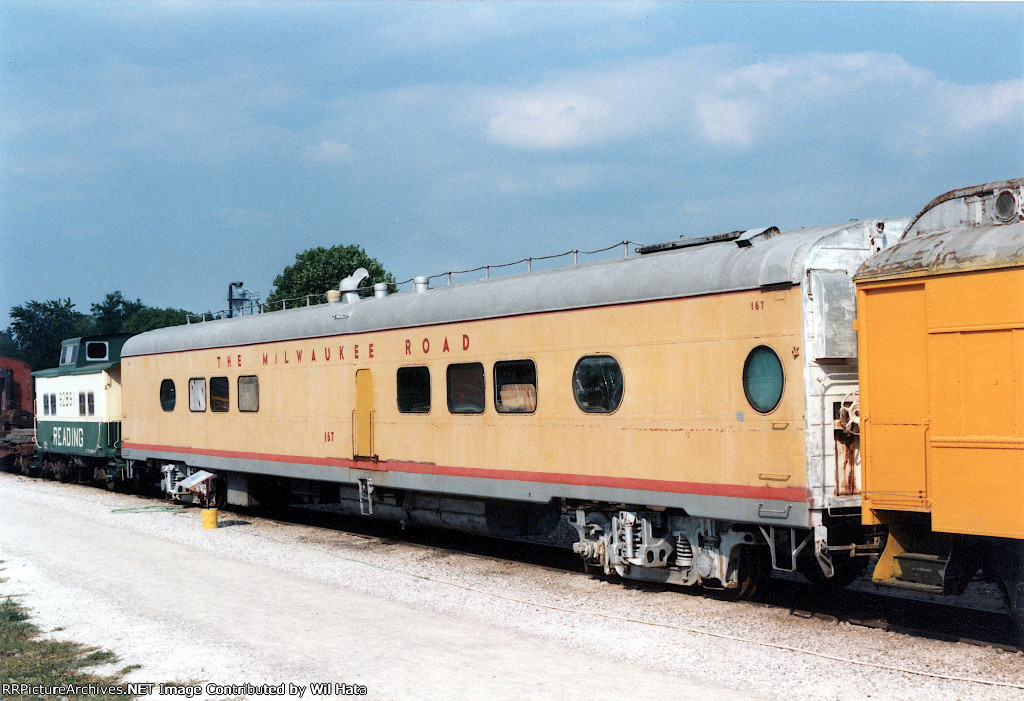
x=597 y=384
x=763 y=379
x=167 y=395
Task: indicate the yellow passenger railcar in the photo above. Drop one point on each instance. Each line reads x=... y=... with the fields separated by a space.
x=682 y=404
x=941 y=323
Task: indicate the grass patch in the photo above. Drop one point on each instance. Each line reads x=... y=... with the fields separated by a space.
x=28 y=658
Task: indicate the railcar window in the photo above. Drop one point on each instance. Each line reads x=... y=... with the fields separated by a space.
x=763 y=379
x=46 y=405
x=68 y=355
x=219 y=391
x=597 y=384
x=197 y=394
x=167 y=397
x=248 y=393
x=90 y=404
x=81 y=403
x=414 y=390
x=53 y=403
x=515 y=386
x=466 y=393
x=96 y=350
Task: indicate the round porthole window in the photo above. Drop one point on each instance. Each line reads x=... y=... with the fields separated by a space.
x=763 y=379
x=597 y=384
x=1006 y=206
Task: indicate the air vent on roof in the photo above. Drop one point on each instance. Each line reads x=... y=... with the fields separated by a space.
x=749 y=238
x=687 y=242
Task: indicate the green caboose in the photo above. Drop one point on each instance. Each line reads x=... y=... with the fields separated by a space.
x=78 y=412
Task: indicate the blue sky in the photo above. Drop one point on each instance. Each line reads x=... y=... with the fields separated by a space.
x=166 y=149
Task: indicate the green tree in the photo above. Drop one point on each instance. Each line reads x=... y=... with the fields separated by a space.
x=149 y=318
x=8 y=346
x=39 y=327
x=115 y=314
x=112 y=313
x=320 y=269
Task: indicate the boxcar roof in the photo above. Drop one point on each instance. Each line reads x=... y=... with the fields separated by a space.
x=961 y=249
x=956 y=232
x=711 y=268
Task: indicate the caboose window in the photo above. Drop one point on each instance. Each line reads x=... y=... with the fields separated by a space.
x=167 y=397
x=515 y=386
x=763 y=379
x=46 y=405
x=90 y=404
x=249 y=393
x=96 y=350
x=197 y=394
x=414 y=390
x=81 y=403
x=219 y=394
x=466 y=393
x=597 y=384
x=68 y=355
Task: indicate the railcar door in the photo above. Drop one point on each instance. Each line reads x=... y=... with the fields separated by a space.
x=894 y=393
x=362 y=417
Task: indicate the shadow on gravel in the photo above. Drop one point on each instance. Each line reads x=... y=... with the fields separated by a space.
x=229 y=523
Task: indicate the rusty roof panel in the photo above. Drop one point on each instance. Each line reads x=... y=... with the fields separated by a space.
x=959 y=249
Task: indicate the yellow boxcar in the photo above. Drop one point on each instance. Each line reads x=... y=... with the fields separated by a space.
x=941 y=324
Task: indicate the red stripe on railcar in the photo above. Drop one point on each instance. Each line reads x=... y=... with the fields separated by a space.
x=794 y=494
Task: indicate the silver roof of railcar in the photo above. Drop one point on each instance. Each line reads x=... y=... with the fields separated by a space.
x=956 y=232
x=716 y=267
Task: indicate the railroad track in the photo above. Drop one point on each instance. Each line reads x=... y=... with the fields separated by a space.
x=937 y=621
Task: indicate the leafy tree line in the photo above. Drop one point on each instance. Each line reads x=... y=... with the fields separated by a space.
x=37 y=328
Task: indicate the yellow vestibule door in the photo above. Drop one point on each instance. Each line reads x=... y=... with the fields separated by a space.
x=363 y=417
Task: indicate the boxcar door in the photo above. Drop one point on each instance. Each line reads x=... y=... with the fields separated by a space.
x=363 y=417
x=894 y=396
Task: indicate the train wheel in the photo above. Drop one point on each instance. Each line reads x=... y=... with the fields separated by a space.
x=599 y=525
x=752 y=573
x=60 y=471
x=48 y=470
x=220 y=493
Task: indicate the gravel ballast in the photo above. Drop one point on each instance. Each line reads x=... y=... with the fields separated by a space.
x=261 y=601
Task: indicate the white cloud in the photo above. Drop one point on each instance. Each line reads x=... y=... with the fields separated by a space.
x=554 y=119
x=331 y=151
x=717 y=99
x=976 y=106
x=726 y=122
x=594 y=106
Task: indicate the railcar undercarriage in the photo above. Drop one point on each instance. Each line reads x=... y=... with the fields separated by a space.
x=673 y=548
